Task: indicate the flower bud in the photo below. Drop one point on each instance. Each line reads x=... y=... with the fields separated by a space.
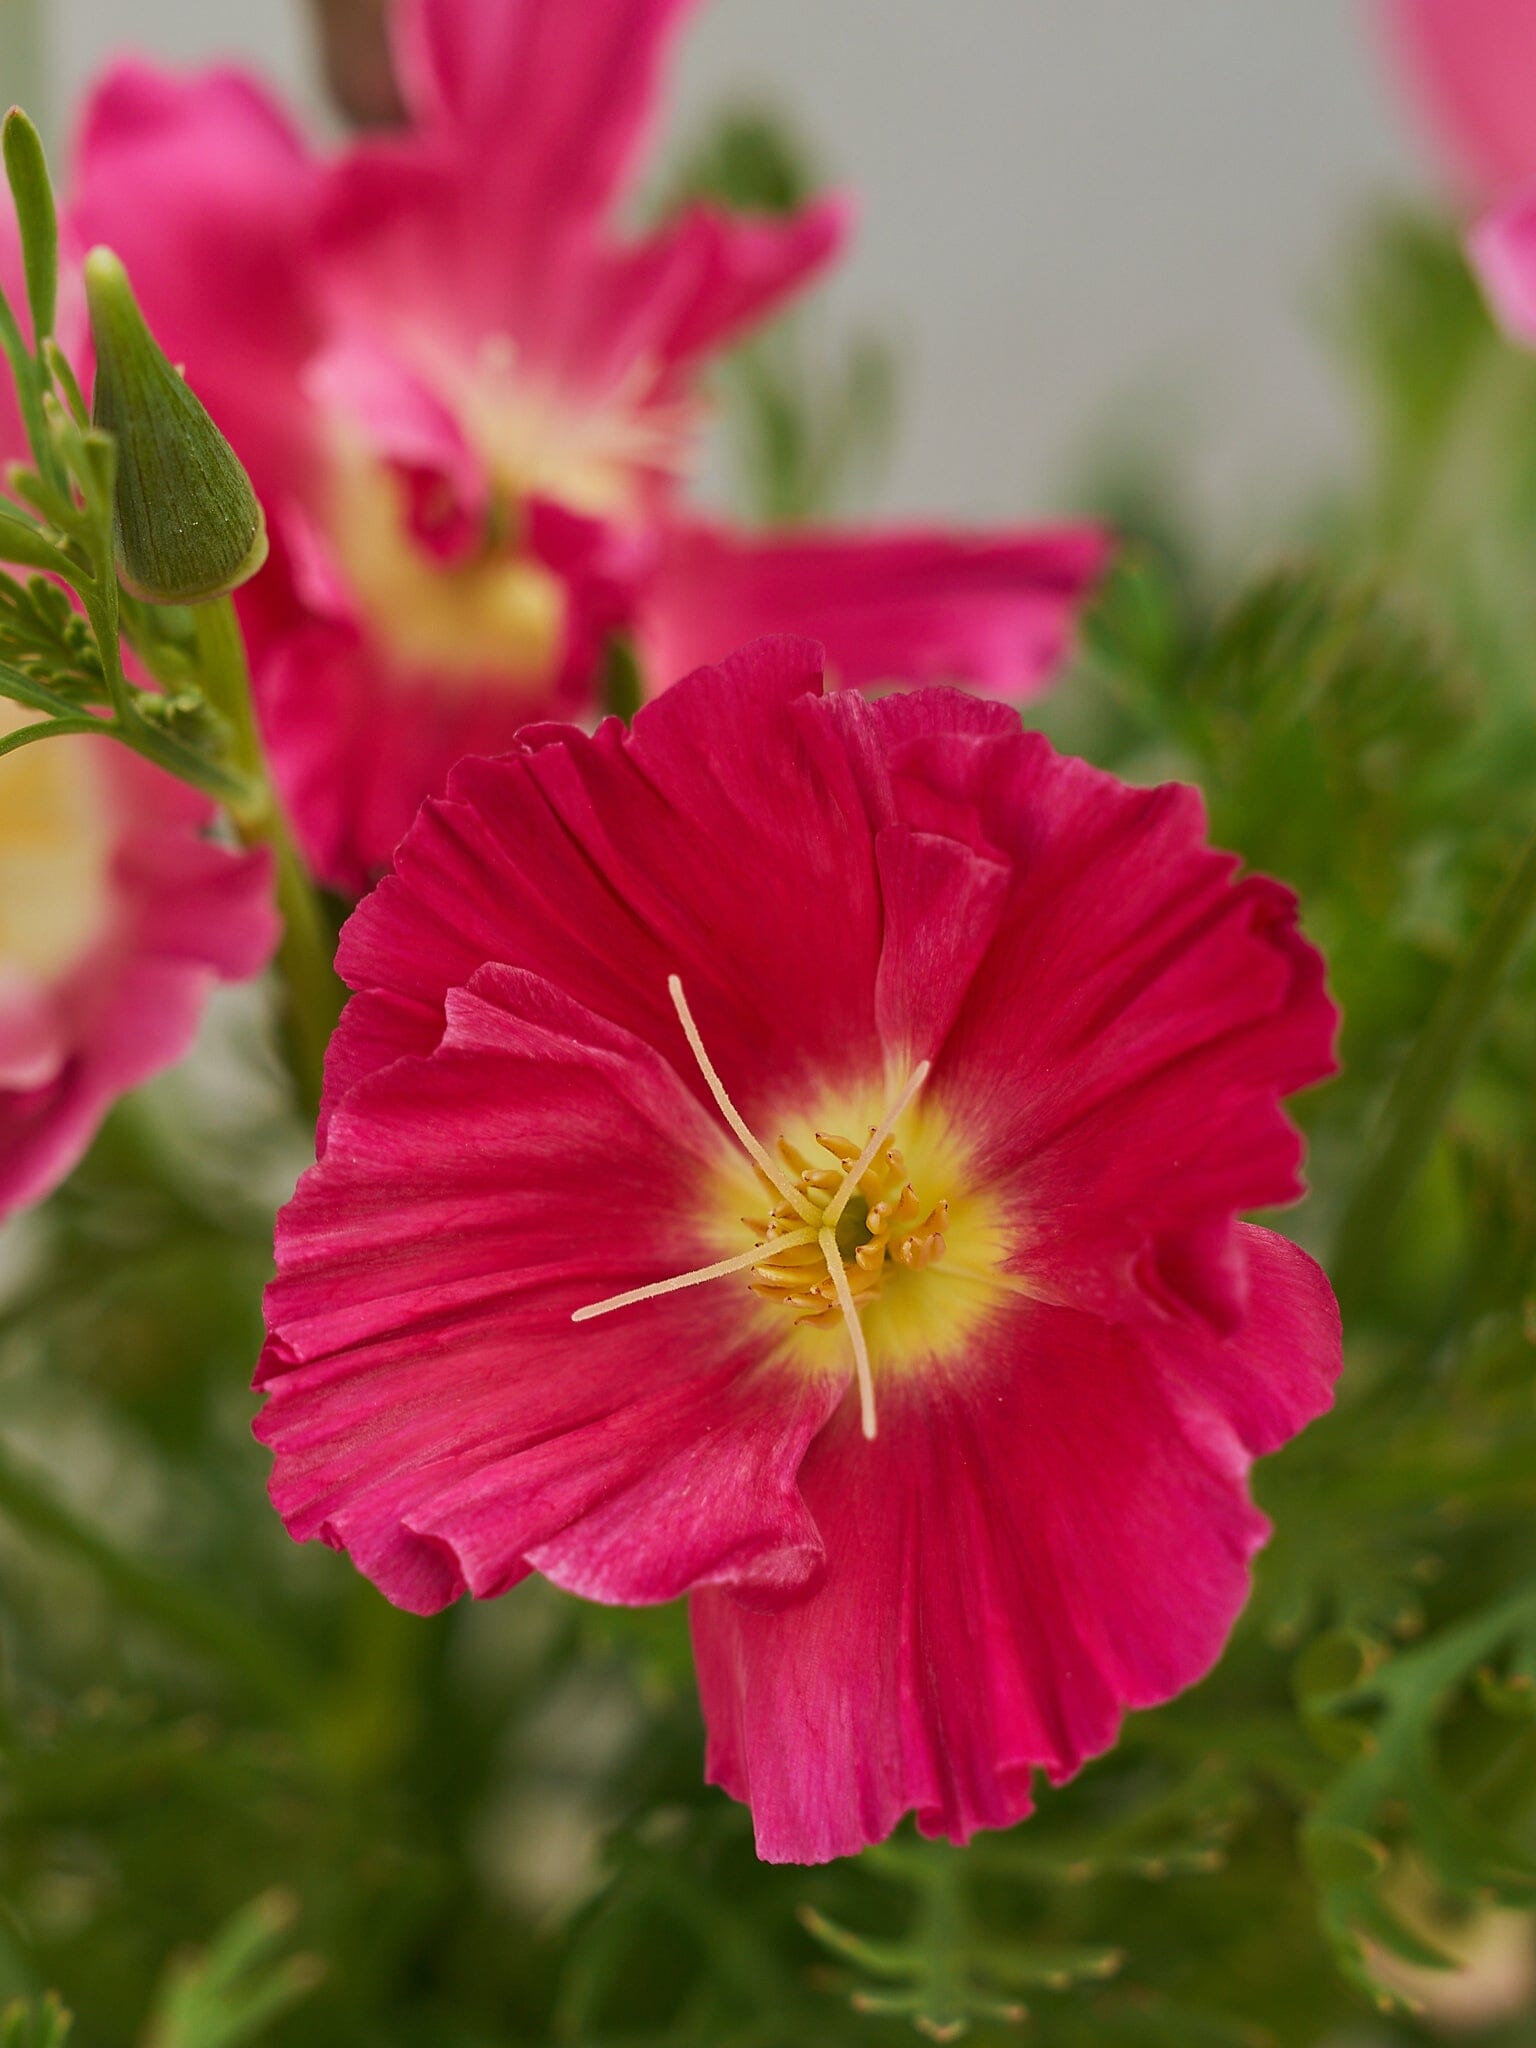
x=188 y=525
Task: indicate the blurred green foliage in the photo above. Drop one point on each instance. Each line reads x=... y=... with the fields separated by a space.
x=242 y=1799
x=808 y=425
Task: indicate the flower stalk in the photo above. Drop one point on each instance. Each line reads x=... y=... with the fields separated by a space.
x=313 y=992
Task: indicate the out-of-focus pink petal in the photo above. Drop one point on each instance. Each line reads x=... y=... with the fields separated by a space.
x=355 y=747
x=1471 y=67
x=992 y=610
x=205 y=190
x=1054 y=1535
x=178 y=915
x=553 y=102
x=406 y=425
x=432 y=1409
x=741 y=271
x=1503 y=251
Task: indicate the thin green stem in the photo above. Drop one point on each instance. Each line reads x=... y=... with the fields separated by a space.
x=306 y=953
x=1428 y=1078
x=99 y=596
x=183 y=762
x=60 y=720
x=29 y=395
x=49 y=728
x=623 y=684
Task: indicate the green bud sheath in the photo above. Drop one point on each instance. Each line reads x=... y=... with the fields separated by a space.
x=188 y=525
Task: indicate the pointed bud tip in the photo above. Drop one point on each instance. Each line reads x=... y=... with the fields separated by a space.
x=103 y=266
x=189 y=526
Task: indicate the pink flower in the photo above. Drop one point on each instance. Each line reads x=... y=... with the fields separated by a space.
x=117 y=916
x=471 y=406
x=117 y=913
x=1471 y=67
x=789 y=1153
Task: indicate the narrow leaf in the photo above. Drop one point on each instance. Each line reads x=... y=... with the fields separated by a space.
x=27 y=169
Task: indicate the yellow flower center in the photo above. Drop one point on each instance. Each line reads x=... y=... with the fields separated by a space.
x=870 y=1249
x=54 y=851
x=500 y=613
x=883 y=1222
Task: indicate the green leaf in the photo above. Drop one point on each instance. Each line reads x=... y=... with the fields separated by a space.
x=45 y=2024
x=27 y=170
x=238 y=1987
x=22 y=543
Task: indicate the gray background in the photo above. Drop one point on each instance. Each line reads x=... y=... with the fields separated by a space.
x=1079 y=216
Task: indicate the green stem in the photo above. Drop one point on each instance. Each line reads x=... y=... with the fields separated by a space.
x=306 y=954
x=99 y=596
x=132 y=730
x=1428 y=1078
x=51 y=728
x=623 y=684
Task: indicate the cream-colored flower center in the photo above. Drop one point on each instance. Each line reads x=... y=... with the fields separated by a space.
x=55 y=847
x=500 y=613
x=593 y=458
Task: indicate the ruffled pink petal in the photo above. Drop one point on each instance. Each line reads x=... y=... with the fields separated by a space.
x=472 y=881
x=1026 y=1551
x=431 y=1407
x=726 y=838
x=994 y=611
x=183 y=914
x=1469 y=65
x=208 y=194
x=1150 y=1011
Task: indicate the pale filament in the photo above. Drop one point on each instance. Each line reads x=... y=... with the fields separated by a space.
x=821 y=1225
x=827 y=1240
x=696 y=1278
x=776 y=1171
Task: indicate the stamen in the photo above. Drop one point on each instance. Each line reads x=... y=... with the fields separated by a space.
x=877 y=1138
x=694 y=1279
x=834 y=1259
x=781 y=1179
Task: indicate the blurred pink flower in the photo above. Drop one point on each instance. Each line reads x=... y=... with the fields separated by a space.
x=941 y=1408
x=117 y=916
x=471 y=406
x=117 y=912
x=1471 y=67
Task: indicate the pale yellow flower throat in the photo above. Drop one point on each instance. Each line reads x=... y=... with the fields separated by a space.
x=823 y=1245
